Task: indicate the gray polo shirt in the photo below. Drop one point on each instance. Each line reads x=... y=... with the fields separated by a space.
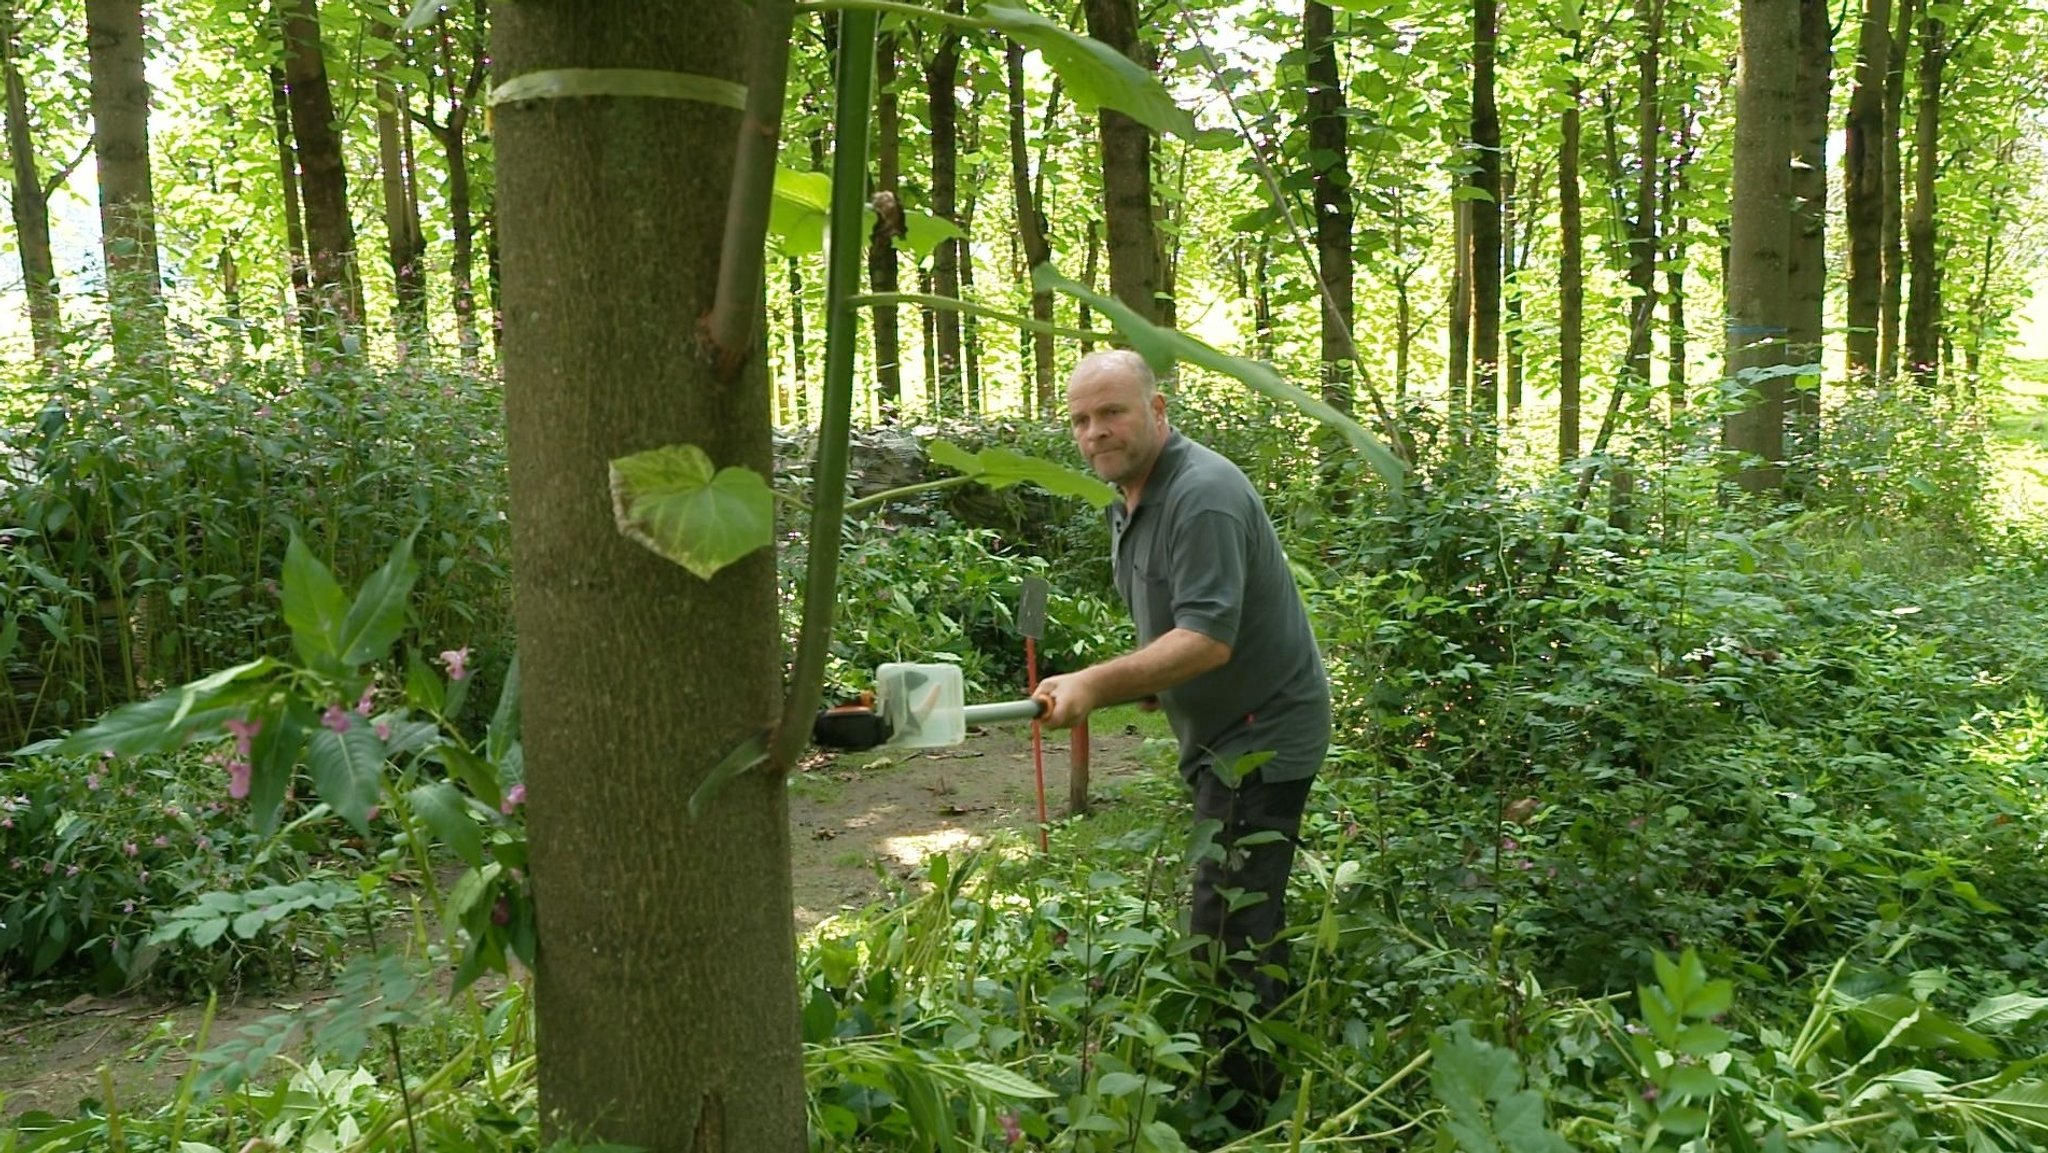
x=1200 y=553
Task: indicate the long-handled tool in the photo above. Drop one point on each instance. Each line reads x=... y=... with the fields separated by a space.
x=914 y=706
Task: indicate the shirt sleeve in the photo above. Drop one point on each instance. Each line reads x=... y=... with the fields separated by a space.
x=1208 y=555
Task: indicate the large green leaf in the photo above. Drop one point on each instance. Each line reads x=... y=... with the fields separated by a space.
x=378 y=614
x=1162 y=347
x=274 y=760
x=167 y=720
x=1096 y=74
x=440 y=806
x=314 y=606
x=797 y=215
x=1000 y=467
x=347 y=769
x=923 y=232
x=674 y=501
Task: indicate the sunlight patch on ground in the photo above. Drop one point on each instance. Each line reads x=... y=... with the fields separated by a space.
x=2021 y=446
x=911 y=849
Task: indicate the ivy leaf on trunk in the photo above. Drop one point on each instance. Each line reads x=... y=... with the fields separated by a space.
x=677 y=503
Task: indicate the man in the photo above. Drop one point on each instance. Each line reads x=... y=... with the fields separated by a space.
x=1224 y=646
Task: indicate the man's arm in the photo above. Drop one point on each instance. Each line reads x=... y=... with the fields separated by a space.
x=1174 y=657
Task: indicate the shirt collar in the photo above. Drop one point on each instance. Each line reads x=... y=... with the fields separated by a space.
x=1172 y=455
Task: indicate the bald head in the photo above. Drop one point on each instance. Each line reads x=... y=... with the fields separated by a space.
x=1118 y=416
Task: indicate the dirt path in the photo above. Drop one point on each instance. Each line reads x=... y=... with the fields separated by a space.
x=848 y=815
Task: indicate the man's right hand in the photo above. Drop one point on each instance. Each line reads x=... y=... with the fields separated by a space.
x=1068 y=698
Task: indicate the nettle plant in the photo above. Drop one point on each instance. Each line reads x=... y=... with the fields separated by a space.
x=374 y=748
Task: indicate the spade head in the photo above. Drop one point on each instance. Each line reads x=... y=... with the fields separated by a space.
x=1031 y=608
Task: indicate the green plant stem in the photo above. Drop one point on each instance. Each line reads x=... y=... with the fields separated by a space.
x=843 y=268
x=886 y=7
x=1837 y=1124
x=952 y=305
x=909 y=490
x=729 y=326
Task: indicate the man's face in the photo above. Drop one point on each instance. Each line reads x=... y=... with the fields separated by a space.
x=1118 y=429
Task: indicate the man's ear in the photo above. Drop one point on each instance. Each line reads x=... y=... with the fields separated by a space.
x=1158 y=406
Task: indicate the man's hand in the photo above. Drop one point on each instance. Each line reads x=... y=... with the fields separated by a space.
x=1068 y=697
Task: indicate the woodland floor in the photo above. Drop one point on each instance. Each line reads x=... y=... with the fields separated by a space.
x=854 y=821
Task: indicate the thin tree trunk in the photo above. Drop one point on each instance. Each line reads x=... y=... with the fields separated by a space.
x=1484 y=268
x=799 y=379
x=1091 y=265
x=1892 y=292
x=1806 y=260
x=1031 y=229
x=1863 y=189
x=1571 y=275
x=1458 y=335
x=1923 y=304
x=1760 y=232
x=330 y=232
x=1330 y=184
x=452 y=134
x=405 y=242
x=304 y=309
x=970 y=326
x=1262 y=299
x=664 y=982
x=1642 y=223
x=1511 y=293
x=120 y=113
x=882 y=268
x=1676 y=253
x=1404 y=308
x=1126 y=170
x=931 y=347
x=31 y=207
x=940 y=78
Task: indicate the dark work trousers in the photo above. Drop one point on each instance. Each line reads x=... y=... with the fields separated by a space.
x=1246 y=934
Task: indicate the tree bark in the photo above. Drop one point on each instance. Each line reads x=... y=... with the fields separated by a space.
x=1485 y=209
x=1571 y=273
x=303 y=307
x=664 y=981
x=1891 y=293
x=1330 y=188
x=1031 y=228
x=31 y=207
x=120 y=113
x=1642 y=223
x=1923 y=303
x=1863 y=190
x=1760 y=232
x=1458 y=333
x=882 y=267
x=405 y=243
x=1126 y=170
x=941 y=75
x=453 y=134
x=323 y=177
x=1806 y=261
x=1091 y=264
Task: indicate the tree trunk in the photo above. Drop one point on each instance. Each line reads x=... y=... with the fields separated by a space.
x=1674 y=258
x=1330 y=185
x=1484 y=269
x=1404 y=308
x=120 y=113
x=1806 y=261
x=404 y=242
x=1642 y=224
x=1262 y=298
x=1031 y=228
x=1571 y=272
x=665 y=979
x=30 y=206
x=1863 y=189
x=1126 y=170
x=330 y=232
x=1923 y=304
x=453 y=135
x=799 y=379
x=882 y=268
x=1760 y=232
x=941 y=76
x=1458 y=334
x=1091 y=265
x=1892 y=292
x=303 y=306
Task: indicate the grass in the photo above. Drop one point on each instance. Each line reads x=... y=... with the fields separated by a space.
x=2020 y=423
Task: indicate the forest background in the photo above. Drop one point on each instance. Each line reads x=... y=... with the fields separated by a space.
x=1663 y=465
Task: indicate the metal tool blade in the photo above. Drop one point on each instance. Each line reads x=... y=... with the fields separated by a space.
x=1031 y=608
